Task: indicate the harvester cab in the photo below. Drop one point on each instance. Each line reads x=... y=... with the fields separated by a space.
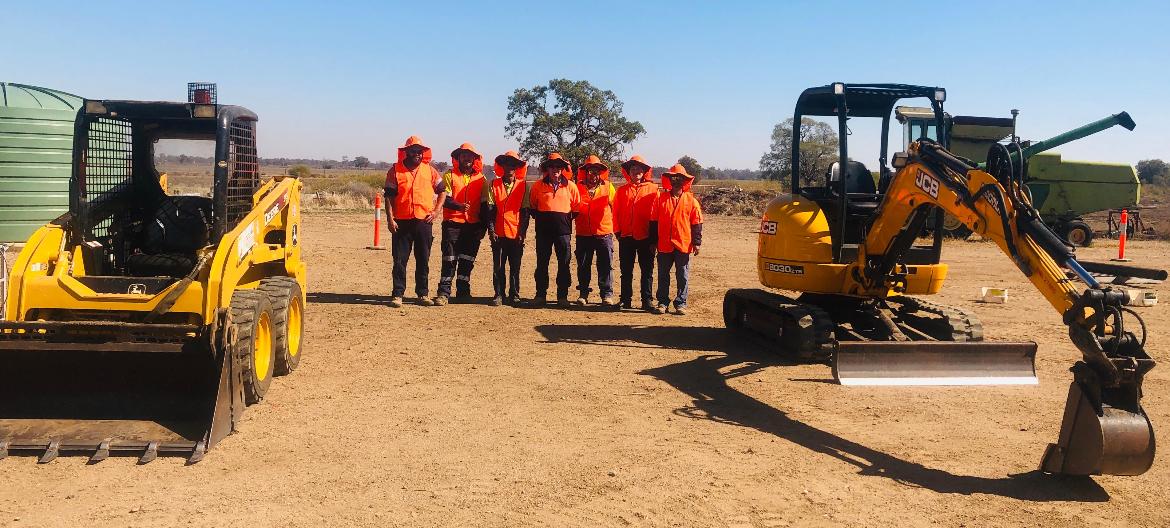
x=853 y=245
x=141 y=322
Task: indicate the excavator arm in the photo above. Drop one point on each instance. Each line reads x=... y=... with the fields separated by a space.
x=1104 y=429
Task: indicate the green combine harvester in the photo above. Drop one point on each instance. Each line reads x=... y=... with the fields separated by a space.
x=1062 y=190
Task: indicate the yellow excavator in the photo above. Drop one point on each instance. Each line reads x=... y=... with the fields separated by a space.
x=859 y=247
x=142 y=323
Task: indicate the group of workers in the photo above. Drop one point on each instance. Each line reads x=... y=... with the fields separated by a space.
x=648 y=223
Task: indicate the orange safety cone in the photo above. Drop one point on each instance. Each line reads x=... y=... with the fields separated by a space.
x=377 y=224
x=1124 y=233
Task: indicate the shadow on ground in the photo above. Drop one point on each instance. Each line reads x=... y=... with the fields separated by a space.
x=705 y=380
x=349 y=298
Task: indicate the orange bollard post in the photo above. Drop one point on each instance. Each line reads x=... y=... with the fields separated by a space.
x=1122 y=235
x=377 y=223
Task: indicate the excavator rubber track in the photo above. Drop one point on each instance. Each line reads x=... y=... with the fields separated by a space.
x=802 y=331
x=899 y=341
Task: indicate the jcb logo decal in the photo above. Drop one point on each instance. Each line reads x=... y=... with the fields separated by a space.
x=768 y=228
x=927 y=183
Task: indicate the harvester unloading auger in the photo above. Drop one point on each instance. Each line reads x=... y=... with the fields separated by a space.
x=141 y=323
x=849 y=247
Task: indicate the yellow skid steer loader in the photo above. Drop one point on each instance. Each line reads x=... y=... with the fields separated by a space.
x=141 y=323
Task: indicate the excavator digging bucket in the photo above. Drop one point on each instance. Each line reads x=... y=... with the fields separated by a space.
x=904 y=363
x=101 y=399
x=1100 y=439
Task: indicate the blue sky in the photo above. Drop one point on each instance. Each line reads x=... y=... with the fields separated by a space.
x=706 y=79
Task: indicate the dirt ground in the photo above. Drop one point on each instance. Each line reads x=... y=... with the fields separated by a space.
x=470 y=415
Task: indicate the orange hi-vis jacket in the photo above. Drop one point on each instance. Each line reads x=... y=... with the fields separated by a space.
x=471 y=190
x=468 y=189
x=565 y=199
x=633 y=206
x=595 y=214
x=413 y=191
x=509 y=204
x=680 y=220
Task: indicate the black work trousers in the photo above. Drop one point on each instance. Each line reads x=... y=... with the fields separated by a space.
x=414 y=235
x=589 y=249
x=546 y=244
x=506 y=256
x=460 y=245
x=643 y=250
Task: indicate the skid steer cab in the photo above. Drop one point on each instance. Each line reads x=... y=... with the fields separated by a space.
x=140 y=322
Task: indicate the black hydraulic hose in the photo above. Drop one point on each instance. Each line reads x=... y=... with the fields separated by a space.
x=1141 y=323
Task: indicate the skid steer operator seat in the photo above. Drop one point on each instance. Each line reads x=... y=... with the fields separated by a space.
x=171 y=235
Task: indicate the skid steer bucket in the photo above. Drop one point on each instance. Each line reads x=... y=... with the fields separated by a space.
x=101 y=389
x=901 y=363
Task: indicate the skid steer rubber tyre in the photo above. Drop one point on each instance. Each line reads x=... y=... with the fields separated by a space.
x=288 y=309
x=255 y=341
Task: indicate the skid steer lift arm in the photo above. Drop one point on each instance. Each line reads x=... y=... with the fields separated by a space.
x=1104 y=429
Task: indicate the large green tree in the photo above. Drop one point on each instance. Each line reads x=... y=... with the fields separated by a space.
x=691 y=165
x=1153 y=171
x=818 y=151
x=574 y=118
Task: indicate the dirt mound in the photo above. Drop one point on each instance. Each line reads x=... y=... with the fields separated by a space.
x=734 y=201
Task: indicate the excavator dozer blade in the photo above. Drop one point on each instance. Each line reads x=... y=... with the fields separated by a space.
x=903 y=363
x=1097 y=438
x=101 y=399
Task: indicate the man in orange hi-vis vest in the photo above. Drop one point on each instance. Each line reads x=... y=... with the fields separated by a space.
x=553 y=198
x=632 y=210
x=595 y=230
x=464 y=223
x=413 y=191
x=508 y=213
x=678 y=220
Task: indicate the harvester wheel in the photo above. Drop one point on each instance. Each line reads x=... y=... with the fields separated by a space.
x=953 y=227
x=288 y=309
x=254 y=323
x=1078 y=233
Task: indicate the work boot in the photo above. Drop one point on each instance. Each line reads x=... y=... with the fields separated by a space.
x=497 y=300
x=540 y=300
x=396 y=302
x=441 y=300
x=627 y=304
x=563 y=302
x=513 y=300
x=425 y=301
x=680 y=310
x=463 y=296
x=583 y=300
x=659 y=310
x=607 y=302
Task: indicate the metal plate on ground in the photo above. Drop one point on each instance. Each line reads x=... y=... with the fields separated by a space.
x=922 y=363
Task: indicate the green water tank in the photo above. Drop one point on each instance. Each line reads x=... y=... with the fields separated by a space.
x=36 y=157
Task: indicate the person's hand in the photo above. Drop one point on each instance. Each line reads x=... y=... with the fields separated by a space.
x=696 y=251
x=492 y=236
x=430 y=217
x=392 y=226
x=462 y=206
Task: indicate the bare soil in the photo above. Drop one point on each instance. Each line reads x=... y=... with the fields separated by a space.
x=474 y=415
